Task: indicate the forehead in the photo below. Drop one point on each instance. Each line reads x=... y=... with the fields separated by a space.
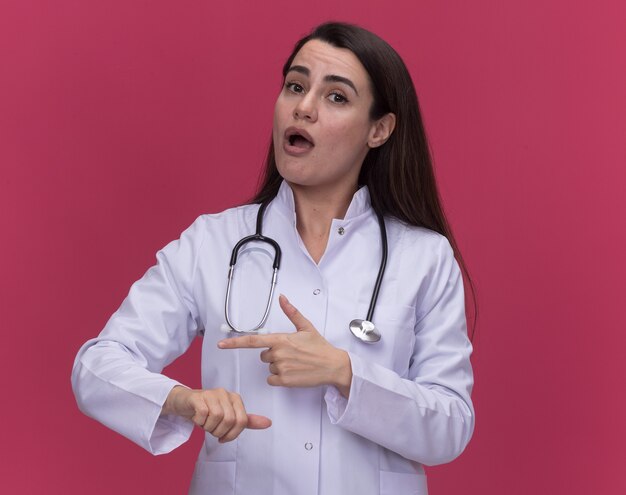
x=323 y=59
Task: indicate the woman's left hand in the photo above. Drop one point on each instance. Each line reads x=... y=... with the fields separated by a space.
x=300 y=359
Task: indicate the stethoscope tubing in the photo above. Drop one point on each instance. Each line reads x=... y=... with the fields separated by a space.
x=256 y=237
x=364 y=330
x=381 y=269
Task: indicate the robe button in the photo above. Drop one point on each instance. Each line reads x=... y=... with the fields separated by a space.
x=316 y=292
x=308 y=446
x=341 y=231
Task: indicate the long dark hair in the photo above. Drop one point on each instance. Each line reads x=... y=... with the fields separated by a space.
x=399 y=174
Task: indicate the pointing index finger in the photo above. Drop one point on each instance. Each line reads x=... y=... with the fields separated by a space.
x=247 y=342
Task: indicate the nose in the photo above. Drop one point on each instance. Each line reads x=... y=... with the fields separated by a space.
x=306 y=108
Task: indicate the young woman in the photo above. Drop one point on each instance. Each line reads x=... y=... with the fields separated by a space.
x=303 y=396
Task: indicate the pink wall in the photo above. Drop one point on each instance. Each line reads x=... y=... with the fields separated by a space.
x=121 y=121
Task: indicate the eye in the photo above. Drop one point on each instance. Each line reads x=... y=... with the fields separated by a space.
x=337 y=97
x=294 y=87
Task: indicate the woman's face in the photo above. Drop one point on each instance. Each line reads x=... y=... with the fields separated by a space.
x=322 y=128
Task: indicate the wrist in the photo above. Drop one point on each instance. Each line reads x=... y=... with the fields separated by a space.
x=343 y=376
x=170 y=404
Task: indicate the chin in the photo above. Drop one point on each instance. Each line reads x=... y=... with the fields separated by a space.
x=295 y=173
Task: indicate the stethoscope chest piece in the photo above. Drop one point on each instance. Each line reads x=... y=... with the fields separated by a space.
x=365 y=331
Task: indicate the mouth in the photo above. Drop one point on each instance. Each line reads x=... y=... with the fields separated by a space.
x=298 y=140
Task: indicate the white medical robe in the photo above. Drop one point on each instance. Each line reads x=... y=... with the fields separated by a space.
x=409 y=401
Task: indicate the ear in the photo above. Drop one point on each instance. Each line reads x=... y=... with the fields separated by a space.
x=381 y=130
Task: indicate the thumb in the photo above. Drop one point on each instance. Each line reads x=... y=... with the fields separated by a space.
x=256 y=422
x=299 y=321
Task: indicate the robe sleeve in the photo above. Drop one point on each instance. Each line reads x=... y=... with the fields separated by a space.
x=427 y=416
x=117 y=377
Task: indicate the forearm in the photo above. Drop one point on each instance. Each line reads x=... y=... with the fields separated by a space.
x=114 y=390
x=430 y=425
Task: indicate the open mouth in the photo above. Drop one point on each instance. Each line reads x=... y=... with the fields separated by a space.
x=298 y=138
x=300 y=141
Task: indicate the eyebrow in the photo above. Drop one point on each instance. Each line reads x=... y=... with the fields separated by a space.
x=329 y=78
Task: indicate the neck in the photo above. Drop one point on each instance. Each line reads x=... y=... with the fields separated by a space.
x=315 y=210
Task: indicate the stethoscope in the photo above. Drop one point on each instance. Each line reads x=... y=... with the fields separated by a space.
x=364 y=330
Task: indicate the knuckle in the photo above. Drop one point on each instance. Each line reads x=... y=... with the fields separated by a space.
x=283 y=368
x=201 y=409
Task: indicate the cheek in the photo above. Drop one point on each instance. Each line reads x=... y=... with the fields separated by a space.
x=275 y=118
x=276 y=122
x=281 y=110
x=349 y=135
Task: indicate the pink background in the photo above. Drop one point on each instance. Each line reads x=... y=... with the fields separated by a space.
x=121 y=121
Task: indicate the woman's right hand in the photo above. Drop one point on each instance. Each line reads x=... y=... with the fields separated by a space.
x=217 y=411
